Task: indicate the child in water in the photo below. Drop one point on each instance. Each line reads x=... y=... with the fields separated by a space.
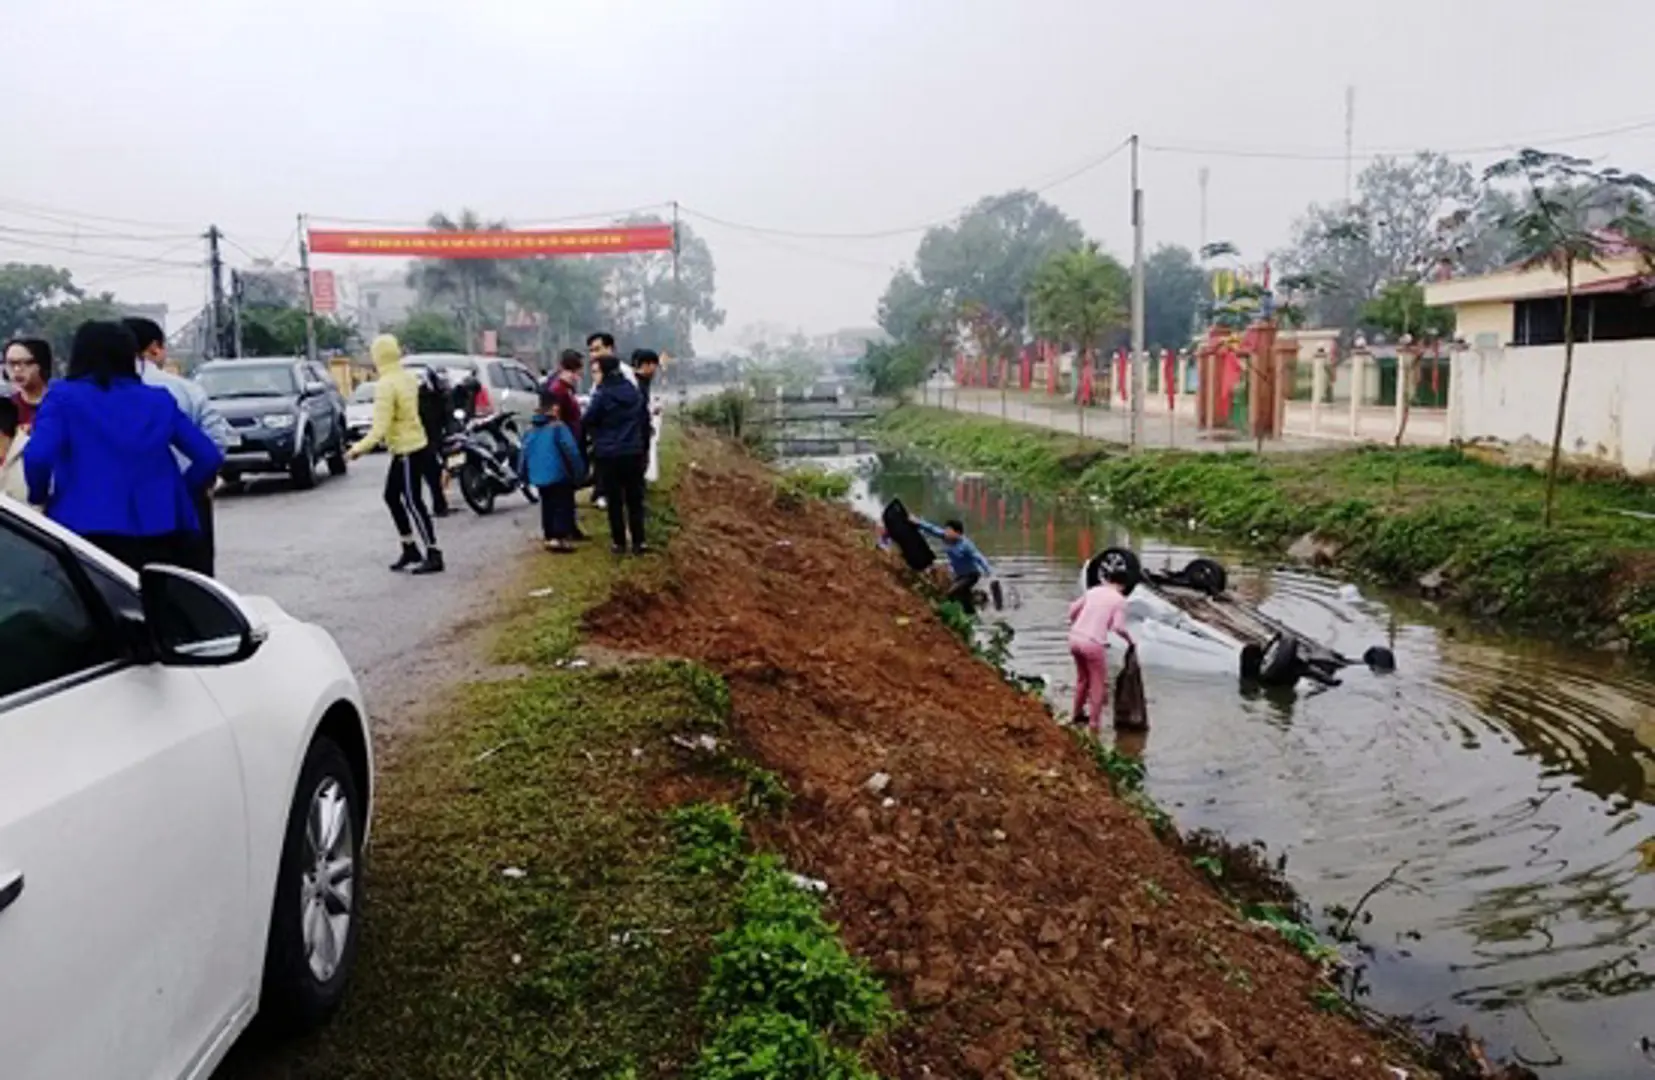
x=1101 y=611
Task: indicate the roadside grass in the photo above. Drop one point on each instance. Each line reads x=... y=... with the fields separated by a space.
x=1395 y=515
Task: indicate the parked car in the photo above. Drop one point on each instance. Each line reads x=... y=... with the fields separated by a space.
x=185 y=783
x=287 y=416
x=359 y=411
x=505 y=385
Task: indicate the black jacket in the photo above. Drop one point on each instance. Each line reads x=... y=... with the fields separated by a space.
x=616 y=421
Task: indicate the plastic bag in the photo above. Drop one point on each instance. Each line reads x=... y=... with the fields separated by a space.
x=1131 y=708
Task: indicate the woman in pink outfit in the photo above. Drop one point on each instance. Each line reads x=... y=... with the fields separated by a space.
x=1100 y=612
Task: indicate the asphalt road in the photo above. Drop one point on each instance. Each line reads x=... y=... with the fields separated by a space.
x=324 y=555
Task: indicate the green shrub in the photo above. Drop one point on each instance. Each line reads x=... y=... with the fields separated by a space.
x=770 y=1045
x=709 y=837
x=795 y=487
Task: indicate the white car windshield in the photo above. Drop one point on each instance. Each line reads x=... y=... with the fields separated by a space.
x=363 y=394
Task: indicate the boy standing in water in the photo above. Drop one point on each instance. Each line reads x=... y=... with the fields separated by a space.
x=965 y=562
x=1101 y=611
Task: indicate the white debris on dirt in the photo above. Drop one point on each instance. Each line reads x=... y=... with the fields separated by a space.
x=808 y=884
x=877 y=783
x=516 y=959
x=637 y=753
x=491 y=751
x=514 y=873
x=888 y=803
x=576 y=665
x=539 y=594
x=705 y=744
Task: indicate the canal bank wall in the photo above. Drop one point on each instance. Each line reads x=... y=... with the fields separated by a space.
x=1432 y=522
x=1027 y=911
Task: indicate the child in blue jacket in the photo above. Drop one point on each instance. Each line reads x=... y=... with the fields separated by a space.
x=552 y=464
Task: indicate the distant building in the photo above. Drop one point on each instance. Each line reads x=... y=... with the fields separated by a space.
x=376 y=302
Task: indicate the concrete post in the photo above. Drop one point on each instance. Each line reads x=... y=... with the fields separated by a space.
x=1358 y=381
x=1405 y=358
x=1318 y=388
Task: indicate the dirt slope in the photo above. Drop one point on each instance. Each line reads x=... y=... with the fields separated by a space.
x=1029 y=922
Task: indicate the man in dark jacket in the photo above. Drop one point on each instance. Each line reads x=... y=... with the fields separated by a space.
x=617 y=427
x=437 y=419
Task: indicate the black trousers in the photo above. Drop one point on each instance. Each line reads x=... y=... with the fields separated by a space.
x=557 y=511
x=406 y=499
x=622 y=479
x=175 y=549
x=962 y=592
x=430 y=465
x=205 y=541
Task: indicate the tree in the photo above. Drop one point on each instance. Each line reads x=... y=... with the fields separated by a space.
x=1078 y=296
x=280 y=331
x=1571 y=214
x=649 y=307
x=429 y=332
x=58 y=323
x=474 y=290
x=893 y=369
x=567 y=293
x=1411 y=219
x=26 y=290
x=976 y=273
x=1174 y=288
x=1400 y=309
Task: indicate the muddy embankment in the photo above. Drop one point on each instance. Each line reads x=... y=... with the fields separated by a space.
x=1028 y=921
x=1437 y=522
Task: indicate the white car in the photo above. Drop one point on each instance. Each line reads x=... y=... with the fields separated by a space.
x=185 y=778
x=359 y=411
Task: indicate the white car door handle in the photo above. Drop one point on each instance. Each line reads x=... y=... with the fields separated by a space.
x=11 y=887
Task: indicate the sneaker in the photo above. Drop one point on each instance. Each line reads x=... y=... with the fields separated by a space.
x=617 y=549
x=432 y=564
x=640 y=549
x=410 y=557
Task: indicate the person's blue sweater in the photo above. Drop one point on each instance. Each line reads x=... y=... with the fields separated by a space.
x=550 y=455
x=100 y=459
x=963 y=556
x=616 y=421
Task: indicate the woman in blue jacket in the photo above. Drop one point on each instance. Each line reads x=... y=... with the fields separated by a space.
x=552 y=464
x=100 y=457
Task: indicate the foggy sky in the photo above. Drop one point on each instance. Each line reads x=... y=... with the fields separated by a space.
x=849 y=116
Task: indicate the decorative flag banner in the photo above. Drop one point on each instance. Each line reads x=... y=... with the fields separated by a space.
x=1169 y=377
x=1025 y=370
x=492 y=243
x=1086 y=384
x=1120 y=372
x=324 y=294
x=1051 y=368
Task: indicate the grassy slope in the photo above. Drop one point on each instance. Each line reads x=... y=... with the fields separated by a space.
x=1395 y=515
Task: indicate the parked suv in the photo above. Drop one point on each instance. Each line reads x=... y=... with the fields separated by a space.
x=287 y=415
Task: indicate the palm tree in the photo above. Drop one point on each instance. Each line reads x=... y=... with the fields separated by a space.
x=1573 y=214
x=464 y=286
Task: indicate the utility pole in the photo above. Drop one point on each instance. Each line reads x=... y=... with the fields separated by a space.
x=1202 y=177
x=1350 y=136
x=310 y=294
x=677 y=291
x=1136 y=361
x=238 y=288
x=215 y=316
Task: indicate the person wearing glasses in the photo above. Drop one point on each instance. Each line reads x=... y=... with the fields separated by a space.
x=28 y=371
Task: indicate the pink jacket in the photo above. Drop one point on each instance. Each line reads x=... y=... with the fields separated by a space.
x=1101 y=611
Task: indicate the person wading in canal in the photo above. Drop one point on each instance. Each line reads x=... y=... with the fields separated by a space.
x=397 y=425
x=1099 y=612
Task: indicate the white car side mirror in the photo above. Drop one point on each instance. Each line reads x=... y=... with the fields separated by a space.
x=193 y=621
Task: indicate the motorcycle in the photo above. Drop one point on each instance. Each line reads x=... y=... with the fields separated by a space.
x=482 y=456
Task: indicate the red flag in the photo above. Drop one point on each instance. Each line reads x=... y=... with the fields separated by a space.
x=1436 y=357
x=1085 y=383
x=1025 y=369
x=1169 y=377
x=1051 y=368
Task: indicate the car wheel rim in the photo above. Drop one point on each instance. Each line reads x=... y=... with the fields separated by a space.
x=327 y=898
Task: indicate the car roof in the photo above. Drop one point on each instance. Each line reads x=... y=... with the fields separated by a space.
x=446 y=360
x=248 y=361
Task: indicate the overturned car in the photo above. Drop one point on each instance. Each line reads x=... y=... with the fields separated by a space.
x=1188 y=618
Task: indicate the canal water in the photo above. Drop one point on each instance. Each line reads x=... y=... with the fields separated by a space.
x=1504 y=789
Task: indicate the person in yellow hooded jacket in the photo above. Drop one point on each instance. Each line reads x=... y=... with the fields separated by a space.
x=397 y=425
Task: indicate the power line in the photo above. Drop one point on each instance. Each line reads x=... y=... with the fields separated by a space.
x=28 y=209
x=884 y=234
x=78 y=234
x=100 y=256
x=1370 y=153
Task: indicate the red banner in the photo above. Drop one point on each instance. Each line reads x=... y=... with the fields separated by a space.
x=494 y=243
x=324 y=294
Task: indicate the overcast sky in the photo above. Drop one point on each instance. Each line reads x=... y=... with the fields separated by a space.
x=850 y=116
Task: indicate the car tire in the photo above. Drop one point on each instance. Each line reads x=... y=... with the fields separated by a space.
x=1279 y=666
x=1124 y=559
x=303 y=469
x=1206 y=575
x=338 y=461
x=233 y=483
x=306 y=974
